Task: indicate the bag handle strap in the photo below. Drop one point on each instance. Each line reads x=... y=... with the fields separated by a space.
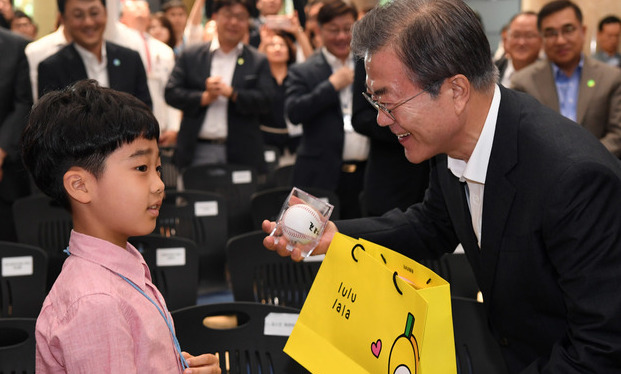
x=394 y=275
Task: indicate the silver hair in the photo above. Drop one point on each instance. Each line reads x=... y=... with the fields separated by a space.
x=434 y=39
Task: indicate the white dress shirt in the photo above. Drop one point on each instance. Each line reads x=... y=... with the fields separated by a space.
x=356 y=146
x=474 y=171
x=223 y=65
x=95 y=69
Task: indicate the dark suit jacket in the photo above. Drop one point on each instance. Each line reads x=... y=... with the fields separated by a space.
x=252 y=80
x=15 y=103
x=312 y=101
x=390 y=180
x=599 y=97
x=550 y=254
x=125 y=71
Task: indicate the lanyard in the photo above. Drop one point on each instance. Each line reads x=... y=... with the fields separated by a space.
x=184 y=363
x=168 y=323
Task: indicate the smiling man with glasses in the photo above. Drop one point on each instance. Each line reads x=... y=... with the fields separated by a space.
x=581 y=88
x=532 y=197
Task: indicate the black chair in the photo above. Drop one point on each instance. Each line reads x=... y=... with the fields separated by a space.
x=23 y=280
x=455 y=269
x=235 y=183
x=17 y=345
x=267 y=204
x=242 y=345
x=475 y=348
x=201 y=217
x=42 y=222
x=262 y=276
x=282 y=176
x=170 y=173
x=173 y=262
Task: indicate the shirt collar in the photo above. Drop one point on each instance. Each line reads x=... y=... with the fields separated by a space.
x=90 y=56
x=475 y=169
x=558 y=73
x=334 y=61
x=215 y=46
x=126 y=261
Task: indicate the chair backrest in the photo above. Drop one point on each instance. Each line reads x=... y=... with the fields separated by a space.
x=169 y=169
x=23 y=278
x=246 y=344
x=17 y=345
x=201 y=217
x=455 y=269
x=266 y=204
x=42 y=222
x=173 y=262
x=235 y=182
x=476 y=349
x=282 y=176
x=263 y=276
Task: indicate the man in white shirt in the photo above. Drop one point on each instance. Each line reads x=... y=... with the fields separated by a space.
x=221 y=86
x=160 y=60
x=89 y=56
x=523 y=45
x=319 y=95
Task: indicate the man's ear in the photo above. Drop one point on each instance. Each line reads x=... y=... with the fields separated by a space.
x=460 y=86
x=77 y=182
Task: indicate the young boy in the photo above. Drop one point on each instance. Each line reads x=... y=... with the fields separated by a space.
x=95 y=151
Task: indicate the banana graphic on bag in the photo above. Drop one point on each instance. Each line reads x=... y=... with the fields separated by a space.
x=404 y=356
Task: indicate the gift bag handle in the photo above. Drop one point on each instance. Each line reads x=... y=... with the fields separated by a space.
x=394 y=275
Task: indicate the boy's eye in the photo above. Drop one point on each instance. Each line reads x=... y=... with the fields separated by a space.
x=142 y=168
x=159 y=169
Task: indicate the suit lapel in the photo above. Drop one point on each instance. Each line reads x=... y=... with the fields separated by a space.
x=114 y=66
x=241 y=68
x=499 y=190
x=589 y=77
x=544 y=79
x=76 y=68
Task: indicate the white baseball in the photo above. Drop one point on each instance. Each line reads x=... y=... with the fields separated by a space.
x=301 y=223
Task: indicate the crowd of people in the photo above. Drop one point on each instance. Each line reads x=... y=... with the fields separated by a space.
x=228 y=77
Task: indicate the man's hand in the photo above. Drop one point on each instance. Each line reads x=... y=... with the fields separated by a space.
x=203 y=364
x=296 y=254
x=342 y=78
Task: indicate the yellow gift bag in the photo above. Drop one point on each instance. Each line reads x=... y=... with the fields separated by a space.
x=373 y=310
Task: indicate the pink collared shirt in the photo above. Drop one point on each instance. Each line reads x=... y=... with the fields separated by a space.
x=93 y=321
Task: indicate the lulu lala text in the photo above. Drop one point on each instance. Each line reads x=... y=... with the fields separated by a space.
x=340 y=306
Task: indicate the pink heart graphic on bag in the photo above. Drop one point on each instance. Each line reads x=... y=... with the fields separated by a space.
x=376 y=348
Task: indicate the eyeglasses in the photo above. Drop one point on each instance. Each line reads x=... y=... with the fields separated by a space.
x=381 y=107
x=565 y=30
x=526 y=36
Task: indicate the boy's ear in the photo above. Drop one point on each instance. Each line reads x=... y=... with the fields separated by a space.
x=77 y=182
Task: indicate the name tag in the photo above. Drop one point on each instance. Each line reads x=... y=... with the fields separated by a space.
x=242 y=177
x=170 y=256
x=205 y=208
x=279 y=324
x=17 y=266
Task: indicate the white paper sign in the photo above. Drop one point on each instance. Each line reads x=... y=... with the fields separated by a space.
x=270 y=155
x=17 y=266
x=242 y=177
x=205 y=208
x=170 y=256
x=279 y=324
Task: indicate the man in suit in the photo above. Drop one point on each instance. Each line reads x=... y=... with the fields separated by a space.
x=90 y=56
x=221 y=86
x=319 y=95
x=608 y=34
x=531 y=197
x=579 y=87
x=15 y=103
x=523 y=45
